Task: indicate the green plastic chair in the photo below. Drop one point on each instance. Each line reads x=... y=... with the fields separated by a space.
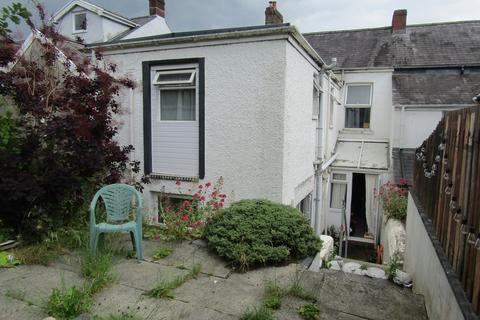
x=118 y=200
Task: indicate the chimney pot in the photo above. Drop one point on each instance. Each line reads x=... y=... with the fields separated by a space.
x=272 y=15
x=157 y=7
x=399 y=20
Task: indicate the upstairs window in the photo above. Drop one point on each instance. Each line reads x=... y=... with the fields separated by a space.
x=177 y=89
x=80 y=22
x=358 y=105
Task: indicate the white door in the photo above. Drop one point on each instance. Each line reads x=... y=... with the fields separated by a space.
x=340 y=193
x=175 y=124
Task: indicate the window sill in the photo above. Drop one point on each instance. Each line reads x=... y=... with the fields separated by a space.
x=79 y=31
x=159 y=176
x=356 y=131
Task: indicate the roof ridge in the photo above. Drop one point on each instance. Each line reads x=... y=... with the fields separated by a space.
x=388 y=27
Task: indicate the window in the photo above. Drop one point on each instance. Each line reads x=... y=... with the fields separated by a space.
x=305 y=206
x=358 y=105
x=177 y=90
x=80 y=22
x=338 y=193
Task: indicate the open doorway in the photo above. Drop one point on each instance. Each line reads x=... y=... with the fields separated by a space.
x=358 y=220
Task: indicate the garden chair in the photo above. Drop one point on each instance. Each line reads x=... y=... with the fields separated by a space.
x=118 y=200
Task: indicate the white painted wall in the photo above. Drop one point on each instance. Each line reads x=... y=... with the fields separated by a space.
x=429 y=279
x=244 y=115
x=156 y=26
x=99 y=29
x=413 y=126
x=381 y=112
x=299 y=128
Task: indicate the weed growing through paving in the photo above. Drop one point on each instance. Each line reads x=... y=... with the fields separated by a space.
x=68 y=303
x=97 y=270
x=41 y=253
x=164 y=288
x=260 y=313
x=309 y=312
x=161 y=252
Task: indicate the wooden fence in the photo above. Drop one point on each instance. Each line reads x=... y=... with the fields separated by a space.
x=447 y=183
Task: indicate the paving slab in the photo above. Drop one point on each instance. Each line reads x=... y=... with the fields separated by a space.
x=11 y=308
x=187 y=254
x=174 y=309
x=35 y=283
x=144 y=275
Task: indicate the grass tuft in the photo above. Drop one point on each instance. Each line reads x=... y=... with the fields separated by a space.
x=97 y=270
x=165 y=287
x=161 y=252
x=68 y=303
x=260 y=313
x=309 y=312
x=41 y=253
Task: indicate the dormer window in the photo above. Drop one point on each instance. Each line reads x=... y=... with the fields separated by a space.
x=80 y=22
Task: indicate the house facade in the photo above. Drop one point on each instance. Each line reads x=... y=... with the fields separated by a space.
x=318 y=121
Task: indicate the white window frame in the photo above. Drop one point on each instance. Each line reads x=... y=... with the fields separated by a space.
x=75 y=14
x=337 y=181
x=358 y=106
x=191 y=84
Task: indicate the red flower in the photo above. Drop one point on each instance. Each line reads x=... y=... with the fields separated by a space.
x=178 y=182
x=196 y=195
x=200 y=186
x=222 y=195
x=186 y=203
x=185 y=217
x=199 y=222
x=202 y=198
x=208 y=184
x=221 y=204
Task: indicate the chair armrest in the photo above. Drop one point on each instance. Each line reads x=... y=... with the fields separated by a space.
x=139 y=216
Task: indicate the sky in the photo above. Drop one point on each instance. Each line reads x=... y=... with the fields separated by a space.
x=307 y=15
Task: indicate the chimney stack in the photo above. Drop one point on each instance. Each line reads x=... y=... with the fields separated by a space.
x=157 y=7
x=272 y=15
x=399 y=20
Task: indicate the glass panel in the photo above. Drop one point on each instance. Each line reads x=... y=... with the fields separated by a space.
x=358 y=94
x=357 y=118
x=338 y=195
x=162 y=77
x=339 y=176
x=177 y=105
x=81 y=21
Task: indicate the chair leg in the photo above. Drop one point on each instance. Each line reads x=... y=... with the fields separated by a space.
x=132 y=237
x=94 y=242
x=138 y=244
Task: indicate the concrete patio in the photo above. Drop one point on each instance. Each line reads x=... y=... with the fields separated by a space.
x=218 y=293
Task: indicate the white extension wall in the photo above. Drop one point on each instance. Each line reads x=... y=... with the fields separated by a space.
x=413 y=126
x=299 y=128
x=244 y=116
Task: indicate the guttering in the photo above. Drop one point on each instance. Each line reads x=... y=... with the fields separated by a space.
x=221 y=35
x=431 y=106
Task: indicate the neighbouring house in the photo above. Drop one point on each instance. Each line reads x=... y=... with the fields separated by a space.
x=397 y=82
x=239 y=103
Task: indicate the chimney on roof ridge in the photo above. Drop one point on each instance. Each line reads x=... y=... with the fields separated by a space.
x=157 y=7
x=272 y=15
x=399 y=20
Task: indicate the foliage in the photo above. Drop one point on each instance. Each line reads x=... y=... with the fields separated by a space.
x=97 y=269
x=58 y=143
x=14 y=12
x=393 y=265
x=394 y=198
x=309 y=312
x=260 y=313
x=42 y=253
x=261 y=232
x=7 y=260
x=165 y=287
x=161 y=252
x=189 y=219
x=68 y=303
x=273 y=296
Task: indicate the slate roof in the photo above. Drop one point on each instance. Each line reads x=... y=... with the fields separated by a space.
x=435 y=86
x=451 y=43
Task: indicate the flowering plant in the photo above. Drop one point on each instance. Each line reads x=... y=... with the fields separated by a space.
x=394 y=198
x=201 y=204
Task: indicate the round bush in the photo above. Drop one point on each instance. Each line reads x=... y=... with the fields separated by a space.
x=260 y=232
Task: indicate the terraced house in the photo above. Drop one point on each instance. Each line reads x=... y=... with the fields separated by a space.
x=318 y=121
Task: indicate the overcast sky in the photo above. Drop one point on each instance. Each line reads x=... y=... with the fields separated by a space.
x=307 y=15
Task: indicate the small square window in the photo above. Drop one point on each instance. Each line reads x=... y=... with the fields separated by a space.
x=357 y=118
x=177 y=105
x=80 y=22
x=359 y=94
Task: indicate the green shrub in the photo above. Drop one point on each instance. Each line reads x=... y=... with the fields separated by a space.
x=259 y=232
x=309 y=312
x=68 y=303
